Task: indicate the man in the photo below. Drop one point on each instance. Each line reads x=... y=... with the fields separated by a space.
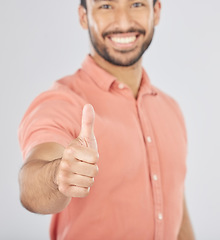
x=130 y=130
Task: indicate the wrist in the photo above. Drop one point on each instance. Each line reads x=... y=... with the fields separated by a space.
x=54 y=170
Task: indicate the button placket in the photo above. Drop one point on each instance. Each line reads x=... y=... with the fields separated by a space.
x=154 y=172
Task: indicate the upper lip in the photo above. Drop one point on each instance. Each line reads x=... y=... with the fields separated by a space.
x=130 y=32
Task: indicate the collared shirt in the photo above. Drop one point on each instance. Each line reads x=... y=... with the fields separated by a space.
x=138 y=193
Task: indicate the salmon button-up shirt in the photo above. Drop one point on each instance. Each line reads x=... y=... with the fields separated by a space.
x=138 y=193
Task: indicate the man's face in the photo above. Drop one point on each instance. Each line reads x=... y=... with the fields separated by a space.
x=120 y=30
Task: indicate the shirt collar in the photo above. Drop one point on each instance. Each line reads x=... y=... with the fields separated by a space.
x=104 y=79
x=146 y=87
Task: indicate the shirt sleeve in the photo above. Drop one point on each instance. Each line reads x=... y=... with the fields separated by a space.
x=54 y=116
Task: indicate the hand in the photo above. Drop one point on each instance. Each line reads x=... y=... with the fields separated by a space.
x=77 y=169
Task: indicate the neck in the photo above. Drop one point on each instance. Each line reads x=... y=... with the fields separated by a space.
x=131 y=76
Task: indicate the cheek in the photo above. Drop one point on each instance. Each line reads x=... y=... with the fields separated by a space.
x=147 y=24
x=95 y=29
x=95 y=26
x=101 y=22
x=145 y=20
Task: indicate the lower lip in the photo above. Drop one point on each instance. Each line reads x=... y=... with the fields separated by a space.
x=123 y=45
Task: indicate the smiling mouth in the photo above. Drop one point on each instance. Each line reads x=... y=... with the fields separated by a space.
x=124 y=40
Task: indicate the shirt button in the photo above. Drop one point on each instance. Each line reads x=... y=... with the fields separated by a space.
x=160 y=216
x=121 y=86
x=149 y=139
x=155 y=177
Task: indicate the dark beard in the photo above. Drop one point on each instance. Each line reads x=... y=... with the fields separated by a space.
x=103 y=51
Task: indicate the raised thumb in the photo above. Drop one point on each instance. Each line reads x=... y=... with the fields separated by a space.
x=87 y=135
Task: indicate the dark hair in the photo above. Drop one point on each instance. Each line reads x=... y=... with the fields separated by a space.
x=83 y=3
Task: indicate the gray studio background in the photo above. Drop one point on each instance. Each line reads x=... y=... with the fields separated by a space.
x=41 y=41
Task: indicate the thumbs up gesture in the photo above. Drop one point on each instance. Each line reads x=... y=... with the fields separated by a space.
x=78 y=167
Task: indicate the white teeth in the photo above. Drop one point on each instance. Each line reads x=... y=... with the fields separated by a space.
x=124 y=40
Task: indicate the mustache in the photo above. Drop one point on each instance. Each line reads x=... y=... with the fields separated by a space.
x=130 y=30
